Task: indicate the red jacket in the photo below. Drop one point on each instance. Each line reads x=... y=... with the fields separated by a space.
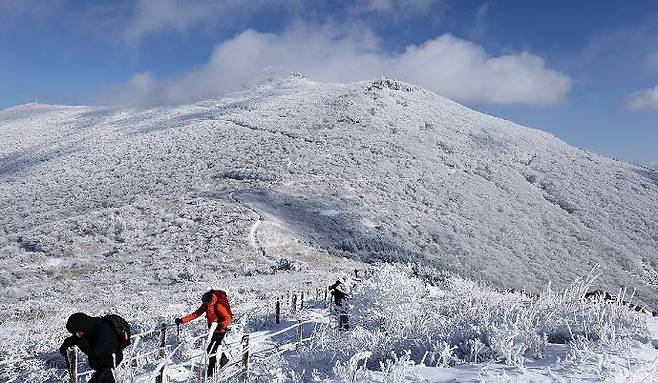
x=217 y=310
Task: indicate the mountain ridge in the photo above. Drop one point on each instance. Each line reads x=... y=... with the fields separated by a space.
x=407 y=174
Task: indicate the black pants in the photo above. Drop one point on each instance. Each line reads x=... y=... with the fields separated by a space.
x=215 y=341
x=338 y=297
x=102 y=376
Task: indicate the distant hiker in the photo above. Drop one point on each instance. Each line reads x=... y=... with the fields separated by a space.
x=599 y=295
x=102 y=339
x=338 y=292
x=217 y=309
x=604 y=296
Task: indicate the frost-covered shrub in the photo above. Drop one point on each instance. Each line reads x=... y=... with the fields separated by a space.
x=395 y=370
x=351 y=370
x=458 y=321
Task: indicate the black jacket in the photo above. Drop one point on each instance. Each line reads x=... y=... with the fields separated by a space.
x=99 y=342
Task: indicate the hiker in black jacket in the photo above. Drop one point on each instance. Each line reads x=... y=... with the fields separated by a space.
x=96 y=337
x=337 y=290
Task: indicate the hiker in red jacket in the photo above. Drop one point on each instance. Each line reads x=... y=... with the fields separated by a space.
x=215 y=306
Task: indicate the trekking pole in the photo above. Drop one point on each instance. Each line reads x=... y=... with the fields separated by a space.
x=203 y=365
x=160 y=378
x=114 y=366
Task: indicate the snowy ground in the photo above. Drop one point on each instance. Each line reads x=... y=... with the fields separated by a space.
x=639 y=366
x=289 y=184
x=275 y=358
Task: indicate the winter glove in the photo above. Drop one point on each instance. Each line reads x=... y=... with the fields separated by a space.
x=178 y=321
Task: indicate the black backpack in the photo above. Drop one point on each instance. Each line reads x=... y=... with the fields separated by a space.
x=121 y=328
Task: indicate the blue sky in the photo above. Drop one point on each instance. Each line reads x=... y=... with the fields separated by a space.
x=586 y=71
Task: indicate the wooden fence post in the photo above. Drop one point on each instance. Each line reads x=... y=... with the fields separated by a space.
x=72 y=356
x=245 y=358
x=300 y=335
x=277 y=312
x=293 y=304
x=161 y=375
x=301 y=301
x=160 y=378
x=163 y=340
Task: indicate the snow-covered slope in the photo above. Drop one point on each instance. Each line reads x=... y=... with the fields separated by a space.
x=372 y=171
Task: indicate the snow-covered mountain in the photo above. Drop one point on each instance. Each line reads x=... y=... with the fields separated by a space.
x=292 y=174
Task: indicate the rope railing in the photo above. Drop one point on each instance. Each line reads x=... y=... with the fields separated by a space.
x=295 y=299
x=251 y=350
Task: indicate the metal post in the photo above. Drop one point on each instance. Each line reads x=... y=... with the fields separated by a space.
x=277 y=312
x=163 y=340
x=245 y=358
x=72 y=356
x=300 y=335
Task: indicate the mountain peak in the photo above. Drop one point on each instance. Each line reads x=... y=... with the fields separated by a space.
x=406 y=174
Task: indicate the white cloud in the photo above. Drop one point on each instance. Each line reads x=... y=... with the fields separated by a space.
x=153 y=16
x=397 y=10
x=13 y=12
x=138 y=90
x=399 y=6
x=646 y=99
x=462 y=70
x=448 y=65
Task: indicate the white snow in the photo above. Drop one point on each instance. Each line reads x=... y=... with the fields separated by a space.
x=138 y=211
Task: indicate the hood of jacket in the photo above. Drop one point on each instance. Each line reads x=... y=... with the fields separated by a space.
x=81 y=322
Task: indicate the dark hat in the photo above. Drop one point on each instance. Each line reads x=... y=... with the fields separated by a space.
x=80 y=322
